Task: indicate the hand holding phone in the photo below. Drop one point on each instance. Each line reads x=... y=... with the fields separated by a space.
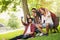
x=21 y=17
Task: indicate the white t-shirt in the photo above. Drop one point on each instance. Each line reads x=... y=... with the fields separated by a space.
x=47 y=18
x=28 y=30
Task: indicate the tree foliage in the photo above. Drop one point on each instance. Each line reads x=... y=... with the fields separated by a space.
x=52 y=5
x=27 y=5
x=13 y=21
x=4 y=4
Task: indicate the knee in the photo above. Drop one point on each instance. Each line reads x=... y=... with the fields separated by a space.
x=39 y=26
x=47 y=24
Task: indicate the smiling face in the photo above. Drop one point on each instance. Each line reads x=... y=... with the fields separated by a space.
x=30 y=20
x=34 y=13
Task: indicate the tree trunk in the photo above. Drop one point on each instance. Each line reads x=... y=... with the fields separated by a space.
x=25 y=8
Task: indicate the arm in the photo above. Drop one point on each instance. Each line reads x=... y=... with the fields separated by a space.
x=23 y=23
x=42 y=19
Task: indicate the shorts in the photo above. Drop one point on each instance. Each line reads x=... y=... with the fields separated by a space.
x=44 y=25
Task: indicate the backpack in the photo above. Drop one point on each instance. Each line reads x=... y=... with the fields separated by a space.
x=55 y=19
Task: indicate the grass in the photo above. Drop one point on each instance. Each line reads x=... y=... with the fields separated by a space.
x=7 y=36
x=55 y=36
x=10 y=35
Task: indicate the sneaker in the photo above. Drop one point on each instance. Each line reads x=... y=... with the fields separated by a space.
x=41 y=34
x=37 y=34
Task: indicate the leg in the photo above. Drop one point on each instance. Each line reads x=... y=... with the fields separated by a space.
x=39 y=27
x=27 y=36
x=51 y=30
x=47 y=28
x=24 y=37
x=37 y=31
x=54 y=30
x=57 y=29
x=51 y=26
x=18 y=37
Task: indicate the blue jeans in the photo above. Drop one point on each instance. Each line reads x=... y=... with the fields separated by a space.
x=50 y=25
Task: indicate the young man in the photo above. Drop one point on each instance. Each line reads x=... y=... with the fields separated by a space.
x=34 y=10
x=29 y=30
x=37 y=18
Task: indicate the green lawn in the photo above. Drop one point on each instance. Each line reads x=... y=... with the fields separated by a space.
x=55 y=36
x=10 y=35
x=7 y=36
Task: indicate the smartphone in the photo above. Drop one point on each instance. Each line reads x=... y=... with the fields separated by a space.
x=21 y=17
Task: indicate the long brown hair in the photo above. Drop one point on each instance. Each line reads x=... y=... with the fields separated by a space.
x=41 y=9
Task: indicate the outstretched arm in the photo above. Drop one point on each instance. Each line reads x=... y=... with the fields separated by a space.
x=25 y=24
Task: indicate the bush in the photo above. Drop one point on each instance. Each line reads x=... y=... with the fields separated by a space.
x=13 y=21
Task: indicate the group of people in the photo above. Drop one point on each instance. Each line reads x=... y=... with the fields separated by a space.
x=33 y=27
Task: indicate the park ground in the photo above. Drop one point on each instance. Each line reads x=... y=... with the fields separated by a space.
x=7 y=36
